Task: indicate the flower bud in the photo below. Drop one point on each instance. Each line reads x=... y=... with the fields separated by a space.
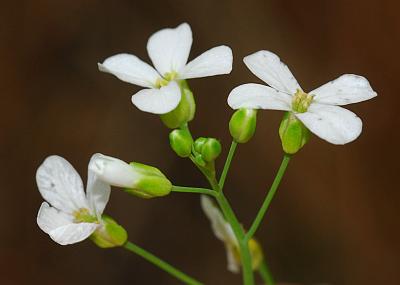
x=137 y=179
x=211 y=150
x=181 y=142
x=242 y=125
x=185 y=110
x=208 y=148
x=294 y=135
x=109 y=234
x=198 y=144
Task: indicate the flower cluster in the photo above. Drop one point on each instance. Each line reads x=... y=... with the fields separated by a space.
x=70 y=215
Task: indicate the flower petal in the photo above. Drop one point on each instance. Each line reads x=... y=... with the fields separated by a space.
x=97 y=191
x=215 y=61
x=233 y=262
x=346 y=89
x=49 y=218
x=114 y=171
x=131 y=69
x=269 y=68
x=332 y=123
x=218 y=223
x=257 y=96
x=73 y=233
x=169 y=48
x=158 y=101
x=60 y=184
x=223 y=231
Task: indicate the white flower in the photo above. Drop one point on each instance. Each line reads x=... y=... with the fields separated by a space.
x=72 y=216
x=318 y=110
x=223 y=231
x=169 y=51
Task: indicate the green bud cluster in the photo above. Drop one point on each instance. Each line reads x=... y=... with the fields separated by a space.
x=185 y=110
x=151 y=183
x=242 y=125
x=294 y=135
x=109 y=234
x=207 y=150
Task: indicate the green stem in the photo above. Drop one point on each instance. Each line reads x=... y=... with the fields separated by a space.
x=265 y=274
x=161 y=264
x=227 y=164
x=268 y=198
x=182 y=189
x=248 y=277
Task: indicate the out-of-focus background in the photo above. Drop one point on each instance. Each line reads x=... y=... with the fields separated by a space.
x=335 y=219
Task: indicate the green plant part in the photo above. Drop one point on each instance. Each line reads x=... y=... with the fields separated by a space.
x=109 y=234
x=151 y=182
x=242 y=125
x=185 y=110
x=181 y=142
x=294 y=135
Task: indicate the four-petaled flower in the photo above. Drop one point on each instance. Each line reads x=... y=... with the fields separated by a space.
x=72 y=216
x=169 y=51
x=318 y=110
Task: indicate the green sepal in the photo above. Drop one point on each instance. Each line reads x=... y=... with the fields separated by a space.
x=294 y=135
x=181 y=142
x=151 y=183
x=242 y=125
x=185 y=110
x=109 y=234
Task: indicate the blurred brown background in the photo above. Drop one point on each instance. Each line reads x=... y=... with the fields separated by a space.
x=336 y=216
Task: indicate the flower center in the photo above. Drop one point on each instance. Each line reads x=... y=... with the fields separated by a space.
x=301 y=101
x=169 y=76
x=83 y=216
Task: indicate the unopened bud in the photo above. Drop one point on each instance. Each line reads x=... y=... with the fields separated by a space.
x=181 y=142
x=208 y=148
x=211 y=150
x=137 y=179
x=185 y=110
x=109 y=234
x=294 y=135
x=242 y=125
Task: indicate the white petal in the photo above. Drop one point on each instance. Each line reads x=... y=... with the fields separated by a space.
x=222 y=230
x=218 y=223
x=131 y=69
x=268 y=67
x=97 y=191
x=158 y=101
x=49 y=218
x=257 y=96
x=169 y=48
x=73 y=233
x=215 y=61
x=60 y=184
x=233 y=264
x=346 y=89
x=113 y=171
x=332 y=123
